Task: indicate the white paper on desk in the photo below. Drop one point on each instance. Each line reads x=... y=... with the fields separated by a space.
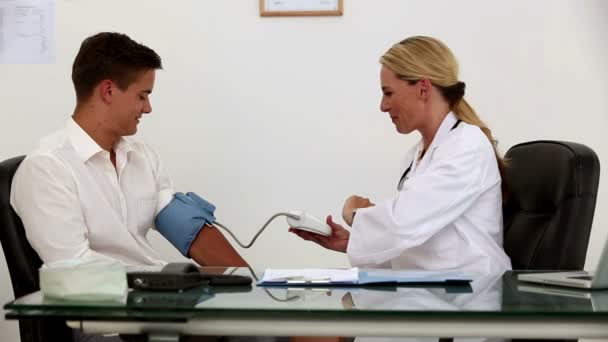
x=311 y=274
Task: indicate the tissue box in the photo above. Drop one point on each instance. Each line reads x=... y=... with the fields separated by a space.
x=93 y=279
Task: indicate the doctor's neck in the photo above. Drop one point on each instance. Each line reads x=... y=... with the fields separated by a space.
x=434 y=117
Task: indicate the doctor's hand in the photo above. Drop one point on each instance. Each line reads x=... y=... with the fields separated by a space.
x=337 y=241
x=352 y=203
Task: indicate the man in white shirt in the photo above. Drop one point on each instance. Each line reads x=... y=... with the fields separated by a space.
x=92 y=190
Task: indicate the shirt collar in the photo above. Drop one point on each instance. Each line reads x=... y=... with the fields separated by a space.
x=82 y=142
x=122 y=148
x=86 y=147
x=444 y=130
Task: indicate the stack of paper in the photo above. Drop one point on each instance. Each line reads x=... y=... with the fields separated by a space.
x=324 y=276
x=310 y=276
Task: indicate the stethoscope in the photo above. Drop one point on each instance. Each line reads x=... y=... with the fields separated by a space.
x=404 y=176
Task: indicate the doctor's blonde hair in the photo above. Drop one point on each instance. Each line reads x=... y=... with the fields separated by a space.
x=419 y=57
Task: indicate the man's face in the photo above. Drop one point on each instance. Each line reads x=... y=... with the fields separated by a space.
x=128 y=106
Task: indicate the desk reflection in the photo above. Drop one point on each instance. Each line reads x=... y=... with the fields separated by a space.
x=484 y=294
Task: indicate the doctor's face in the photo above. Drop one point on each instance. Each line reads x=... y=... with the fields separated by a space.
x=400 y=99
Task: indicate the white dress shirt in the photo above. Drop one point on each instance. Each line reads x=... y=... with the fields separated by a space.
x=447 y=214
x=75 y=204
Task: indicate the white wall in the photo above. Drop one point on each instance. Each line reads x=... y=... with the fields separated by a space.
x=261 y=115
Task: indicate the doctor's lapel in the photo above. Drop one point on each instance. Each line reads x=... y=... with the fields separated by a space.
x=443 y=132
x=448 y=124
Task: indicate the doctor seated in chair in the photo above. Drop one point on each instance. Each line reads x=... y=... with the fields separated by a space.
x=447 y=212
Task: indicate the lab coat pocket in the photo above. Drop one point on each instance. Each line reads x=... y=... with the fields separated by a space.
x=146 y=208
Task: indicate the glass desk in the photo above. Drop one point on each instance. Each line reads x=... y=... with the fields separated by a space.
x=492 y=306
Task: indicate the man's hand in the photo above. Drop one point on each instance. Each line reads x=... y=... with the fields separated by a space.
x=352 y=203
x=337 y=241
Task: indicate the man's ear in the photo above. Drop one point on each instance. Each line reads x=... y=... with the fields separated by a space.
x=105 y=88
x=424 y=88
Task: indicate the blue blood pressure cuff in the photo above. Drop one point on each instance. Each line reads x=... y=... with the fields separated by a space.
x=183 y=218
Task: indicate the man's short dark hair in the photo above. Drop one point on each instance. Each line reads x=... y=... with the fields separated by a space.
x=113 y=56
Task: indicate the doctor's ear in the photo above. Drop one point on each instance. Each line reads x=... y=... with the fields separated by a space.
x=424 y=88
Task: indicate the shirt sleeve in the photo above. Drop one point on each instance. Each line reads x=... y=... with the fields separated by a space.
x=164 y=186
x=44 y=195
x=428 y=202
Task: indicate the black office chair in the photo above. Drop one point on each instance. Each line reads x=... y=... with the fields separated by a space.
x=549 y=210
x=548 y=214
x=23 y=262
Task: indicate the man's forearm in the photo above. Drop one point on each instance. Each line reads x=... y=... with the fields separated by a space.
x=210 y=248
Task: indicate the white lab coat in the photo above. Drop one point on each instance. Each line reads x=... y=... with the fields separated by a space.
x=448 y=214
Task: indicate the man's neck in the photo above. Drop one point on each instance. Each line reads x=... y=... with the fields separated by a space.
x=95 y=128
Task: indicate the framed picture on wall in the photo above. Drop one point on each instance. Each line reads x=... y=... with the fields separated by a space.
x=280 y=8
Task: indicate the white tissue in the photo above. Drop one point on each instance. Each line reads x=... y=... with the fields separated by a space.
x=92 y=279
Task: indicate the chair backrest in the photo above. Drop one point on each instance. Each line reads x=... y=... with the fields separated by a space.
x=23 y=262
x=549 y=211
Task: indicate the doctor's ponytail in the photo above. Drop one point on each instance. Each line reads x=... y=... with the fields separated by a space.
x=463 y=111
x=420 y=57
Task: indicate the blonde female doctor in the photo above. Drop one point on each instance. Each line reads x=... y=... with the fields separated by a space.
x=447 y=214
